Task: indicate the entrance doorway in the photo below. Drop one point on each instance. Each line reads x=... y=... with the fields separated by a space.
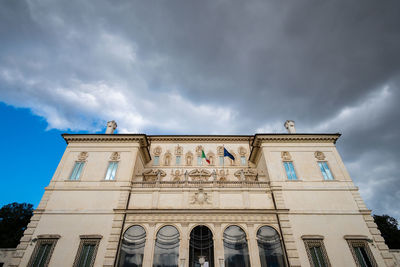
x=201 y=248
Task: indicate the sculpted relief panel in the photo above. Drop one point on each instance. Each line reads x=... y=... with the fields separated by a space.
x=153 y=175
x=179 y=163
x=247 y=175
x=201 y=197
x=199 y=174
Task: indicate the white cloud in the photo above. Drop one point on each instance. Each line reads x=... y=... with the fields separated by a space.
x=361 y=115
x=79 y=64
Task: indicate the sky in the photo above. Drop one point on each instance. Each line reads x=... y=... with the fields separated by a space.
x=200 y=67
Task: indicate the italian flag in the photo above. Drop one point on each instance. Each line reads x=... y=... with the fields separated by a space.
x=203 y=156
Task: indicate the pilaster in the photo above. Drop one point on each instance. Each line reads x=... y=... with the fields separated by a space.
x=218 y=244
x=373 y=229
x=112 y=245
x=253 y=246
x=287 y=232
x=148 y=248
x=184 y=245
x=25 y=240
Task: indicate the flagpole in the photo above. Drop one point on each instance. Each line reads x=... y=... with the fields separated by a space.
x=223 y=159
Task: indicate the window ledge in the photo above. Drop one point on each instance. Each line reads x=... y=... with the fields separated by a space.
x=91 y=236
x=108 y=180
x=298 y=180
x=319 y=237
x=68 y=180
x=48 y=236
x=356 y=237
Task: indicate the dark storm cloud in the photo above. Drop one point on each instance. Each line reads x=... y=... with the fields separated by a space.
x=215 y=67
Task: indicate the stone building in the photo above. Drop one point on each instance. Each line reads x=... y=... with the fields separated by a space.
x=201 y=200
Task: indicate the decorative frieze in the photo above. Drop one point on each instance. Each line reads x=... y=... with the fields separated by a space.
x=157 y=151
x=188 y=217
x=115 y=156
x=319 y=155
x=83 y=156
x=285 y=155
x=178 y=150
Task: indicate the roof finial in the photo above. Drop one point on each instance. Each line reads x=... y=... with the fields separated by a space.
x=111 y=126
x=289 y=125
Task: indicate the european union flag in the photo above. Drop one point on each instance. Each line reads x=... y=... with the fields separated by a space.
x=227 y=154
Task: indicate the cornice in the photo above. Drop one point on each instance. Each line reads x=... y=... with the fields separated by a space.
x=259 y=139
x=295 y=138
x=200 y=138
x=104 y=138
x=111 y=138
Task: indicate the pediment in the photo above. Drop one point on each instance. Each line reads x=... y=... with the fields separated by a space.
x=199 y=174
x=247 y=174
x=153 y=175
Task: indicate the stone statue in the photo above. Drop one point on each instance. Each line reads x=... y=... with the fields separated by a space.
x=214 y=175
x=189 y=160
x=167 y=160
x=242 y=178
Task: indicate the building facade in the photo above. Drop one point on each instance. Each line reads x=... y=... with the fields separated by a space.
x=204 y=200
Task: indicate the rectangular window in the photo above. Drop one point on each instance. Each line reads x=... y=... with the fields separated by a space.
x=111 y=170
x=243 y=160
x=316 y=253
x=76 y=172
x=178 y=160
x=291 y=174
x=86 y=252
x=361 y=253
x=199 y=161
x=42 y=253
x=326 y=172
x=221 y=160
x=156 y=161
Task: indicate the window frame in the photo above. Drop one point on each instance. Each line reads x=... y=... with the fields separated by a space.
x=44 y=239
x=294 y=170
x=87 y=240
x=329 y=169
x=284 y=255
x=221 y=160
x=158 y=160
x=361 y=243
x=81 y=172
x=119 y=254
x=108 y=166
x=243 y=161
x=156 y=237
x=310 y=242
x=246 y=257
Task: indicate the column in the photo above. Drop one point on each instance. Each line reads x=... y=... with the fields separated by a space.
x=149 y=246
x=218 y=244
x=253 y=247
x=184 y=245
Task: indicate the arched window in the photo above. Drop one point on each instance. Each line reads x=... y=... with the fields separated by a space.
x=132 y=248
x=166 y=251
x=269 y=246
x=235 y=247
x=201 y=245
